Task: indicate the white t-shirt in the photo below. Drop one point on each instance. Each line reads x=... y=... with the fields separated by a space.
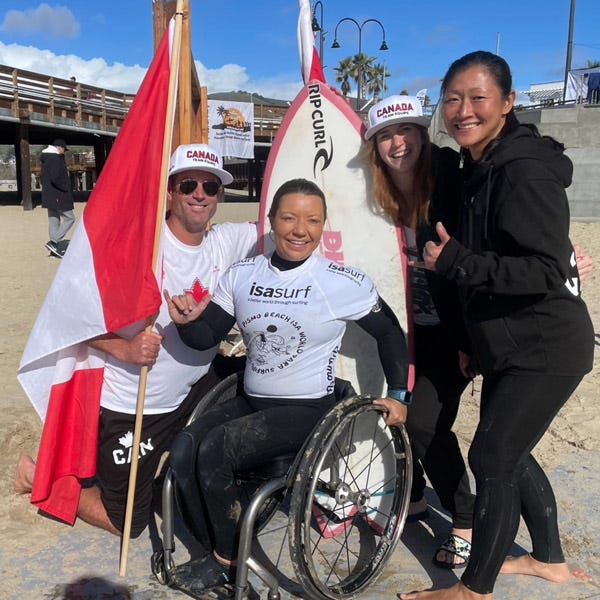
x=191 y=269
x=293 y=321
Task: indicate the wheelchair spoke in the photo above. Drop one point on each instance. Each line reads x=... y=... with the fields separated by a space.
x=351 y=495
x=368 y=462
x=338 y=546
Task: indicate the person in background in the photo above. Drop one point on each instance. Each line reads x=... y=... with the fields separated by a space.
x=529 y=331
x=57 y=196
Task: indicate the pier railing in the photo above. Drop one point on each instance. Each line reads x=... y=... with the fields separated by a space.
x=25 y=95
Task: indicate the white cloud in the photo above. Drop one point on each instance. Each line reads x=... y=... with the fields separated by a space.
x=224 y=79
x=117 y=77
x=53 y=21
x=124 y=78
x=234 y=77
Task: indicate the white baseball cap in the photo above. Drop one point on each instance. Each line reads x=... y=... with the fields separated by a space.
x=199 y=157
x=395 y=109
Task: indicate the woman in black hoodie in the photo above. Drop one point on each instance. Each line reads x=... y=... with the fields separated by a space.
x=529 y=332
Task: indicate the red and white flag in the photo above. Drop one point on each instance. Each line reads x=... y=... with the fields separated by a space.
x=105 y=281
x=309 y=57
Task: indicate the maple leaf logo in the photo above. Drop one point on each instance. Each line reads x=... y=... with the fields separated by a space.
x=127 y=440
x=197 y=291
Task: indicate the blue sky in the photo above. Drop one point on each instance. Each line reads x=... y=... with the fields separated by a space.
x=251 y=46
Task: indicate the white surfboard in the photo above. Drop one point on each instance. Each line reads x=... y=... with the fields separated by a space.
x=320 y=139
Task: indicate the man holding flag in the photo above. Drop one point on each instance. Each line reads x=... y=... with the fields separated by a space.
x=192 y=258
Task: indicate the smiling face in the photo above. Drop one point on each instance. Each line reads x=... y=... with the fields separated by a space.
x=298 y=225
x=190 y=213
x=475 y=109
x=400 y=146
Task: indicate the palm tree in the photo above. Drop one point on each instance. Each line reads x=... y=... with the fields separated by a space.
x=362 y=64
x=592 y=64
x=344 y=72
x=376 y=80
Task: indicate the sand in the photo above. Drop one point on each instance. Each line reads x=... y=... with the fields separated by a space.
x=45 y=559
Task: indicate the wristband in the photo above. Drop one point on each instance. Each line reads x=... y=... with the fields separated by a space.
x=403 y=396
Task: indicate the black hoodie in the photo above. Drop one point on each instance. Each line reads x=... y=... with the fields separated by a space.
x=56 y=184
x=514 y=263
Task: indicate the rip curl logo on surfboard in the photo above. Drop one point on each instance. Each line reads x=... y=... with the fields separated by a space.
x=324 y=156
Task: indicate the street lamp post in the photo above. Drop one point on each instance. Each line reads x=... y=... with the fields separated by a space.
x=569 y=48
x=360 y=26
x=318 y=26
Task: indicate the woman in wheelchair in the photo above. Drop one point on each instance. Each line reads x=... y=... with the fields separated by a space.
x=292 y=307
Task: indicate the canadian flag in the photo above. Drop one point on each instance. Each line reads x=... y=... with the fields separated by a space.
x=309 y=57
x=105 y=281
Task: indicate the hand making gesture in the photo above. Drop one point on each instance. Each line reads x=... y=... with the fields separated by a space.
x=183 y=308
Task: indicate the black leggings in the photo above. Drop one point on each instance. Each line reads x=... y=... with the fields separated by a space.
x=516 y=410
x=438 y=388
x=242 y=434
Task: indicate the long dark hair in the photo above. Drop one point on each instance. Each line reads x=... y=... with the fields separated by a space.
x=496 y=65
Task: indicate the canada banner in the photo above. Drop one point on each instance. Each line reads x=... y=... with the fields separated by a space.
x=104 y=282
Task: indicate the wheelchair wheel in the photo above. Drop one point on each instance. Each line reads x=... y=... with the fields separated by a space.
x=349 y=500
x=219 y=394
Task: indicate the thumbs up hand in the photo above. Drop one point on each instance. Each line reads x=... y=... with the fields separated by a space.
x=432 y=249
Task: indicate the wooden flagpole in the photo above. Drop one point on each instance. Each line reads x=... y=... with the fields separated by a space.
x=166 y=155
x=183 y=124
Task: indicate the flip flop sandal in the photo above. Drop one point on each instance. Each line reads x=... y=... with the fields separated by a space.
x=456 y=546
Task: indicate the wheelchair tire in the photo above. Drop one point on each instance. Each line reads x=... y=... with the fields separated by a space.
x=349 y=500
x=220 y=393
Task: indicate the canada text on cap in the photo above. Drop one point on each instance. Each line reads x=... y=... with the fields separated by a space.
x=199 y=157
x=395 y=109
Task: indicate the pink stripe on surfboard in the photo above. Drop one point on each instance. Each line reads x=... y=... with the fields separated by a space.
x=356 y=123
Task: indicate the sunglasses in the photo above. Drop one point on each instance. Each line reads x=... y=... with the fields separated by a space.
x=187 y=186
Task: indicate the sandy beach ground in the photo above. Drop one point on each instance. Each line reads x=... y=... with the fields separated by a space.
x=42 y=559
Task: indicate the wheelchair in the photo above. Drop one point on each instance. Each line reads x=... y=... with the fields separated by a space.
x=344 y=498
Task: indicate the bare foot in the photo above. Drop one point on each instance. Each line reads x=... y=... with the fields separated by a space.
x=582 y=575
x=527 y=565
x=456 y=592
x=459 y=558
x=24 y=475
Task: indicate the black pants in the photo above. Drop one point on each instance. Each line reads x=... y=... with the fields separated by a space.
x=243 y=434
x=516 y=410
x=436 y=396
x=113 y=462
